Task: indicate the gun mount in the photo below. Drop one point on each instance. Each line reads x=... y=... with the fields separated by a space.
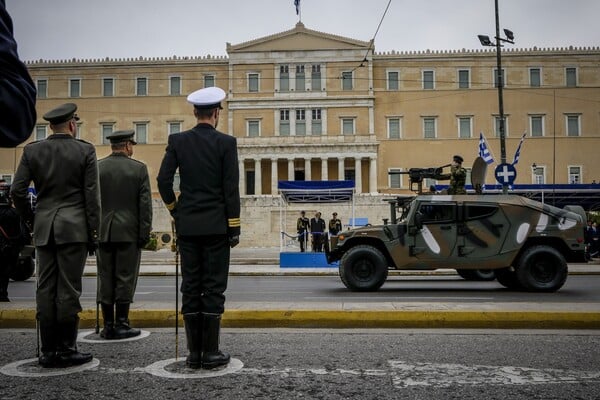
x=416 y=176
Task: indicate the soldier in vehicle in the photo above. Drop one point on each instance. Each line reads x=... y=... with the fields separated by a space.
x=302 y=228
x=457 y=176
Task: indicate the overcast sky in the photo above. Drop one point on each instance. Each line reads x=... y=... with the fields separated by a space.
x=65 y=29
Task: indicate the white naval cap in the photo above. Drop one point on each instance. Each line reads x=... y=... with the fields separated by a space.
x=209 y=97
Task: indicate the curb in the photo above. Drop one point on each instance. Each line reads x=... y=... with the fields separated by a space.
x=25 y=318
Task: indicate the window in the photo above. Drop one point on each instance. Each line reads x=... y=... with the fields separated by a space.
x=174 y=127
x=429 y=128
x=284 y=78
x=393 y=80
x=394 y=128
x=464 y=127
x=315 y=77
x=78 y=133
x=437 y=213
x=574 y=175
x=175 y=86
x=108 y=87
x=535 y=77
x=347 y=80
x=478 y=211
x=41 y=132
x=573 y=125
x=253 y=84
x=502 y=78
x=395 y=179
x=300 y=78
x=141 y=87
x=428 y=80
x=106 y=129
x=464 y=81
x=497 y=126
x=284 y=122
x=42 y=88
x=74 y=87
x=317 y=122
x=300 y=122
x=253 y=128
x=347 y=126
x=571 y=76
x=209 y=81
x=538 y=174
x=536 y=125
x=141 y=132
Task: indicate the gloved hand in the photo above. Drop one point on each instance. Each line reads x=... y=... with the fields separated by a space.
x=234 y=241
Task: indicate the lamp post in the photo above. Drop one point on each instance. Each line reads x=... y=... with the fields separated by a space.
x=485 y=41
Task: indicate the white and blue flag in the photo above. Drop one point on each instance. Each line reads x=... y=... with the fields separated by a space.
x=297 y=4
x=484 y=151
x=518 y=152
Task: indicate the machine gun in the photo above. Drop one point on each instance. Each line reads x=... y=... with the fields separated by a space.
x=416 y=176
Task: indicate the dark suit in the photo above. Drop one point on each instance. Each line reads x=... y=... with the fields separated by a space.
x=67 y=217
x=207 y=212
x=17 y=91
x=125 y=227
x=317 y=229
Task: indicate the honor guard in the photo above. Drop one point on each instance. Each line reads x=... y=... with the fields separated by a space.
x=124 y=230
x=457 y=176
x=302 y=228
x=335 y=224
x=207 y=220
x=65 y=229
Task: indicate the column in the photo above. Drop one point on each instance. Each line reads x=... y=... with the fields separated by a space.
x=274 y=176
x=242 y=176
x=257 y=177
x=290 y=169
x=341 y=170
x=324 y=169
x=373 y=175
x=307 y=169
x=358 y=175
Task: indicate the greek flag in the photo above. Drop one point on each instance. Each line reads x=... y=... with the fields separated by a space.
x=297 y=4
x=484 y=152
x=518 y=152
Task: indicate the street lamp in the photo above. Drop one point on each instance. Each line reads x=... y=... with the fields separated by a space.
x=485 y=41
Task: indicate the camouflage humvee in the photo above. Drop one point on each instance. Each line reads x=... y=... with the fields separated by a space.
x=525 y=243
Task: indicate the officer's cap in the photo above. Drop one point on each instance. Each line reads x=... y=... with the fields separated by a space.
x=62 y=113
x=207 y=98
x=458 y=159
x=121 y=136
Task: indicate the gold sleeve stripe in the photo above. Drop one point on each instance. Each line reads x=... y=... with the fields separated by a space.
x=171 y=206
x=233 y=222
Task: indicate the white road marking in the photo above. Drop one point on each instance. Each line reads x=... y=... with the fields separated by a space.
x=82 y=337
x=31 y=369
x=159 y=369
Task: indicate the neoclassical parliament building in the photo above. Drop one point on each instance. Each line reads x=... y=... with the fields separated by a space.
x=308 y=105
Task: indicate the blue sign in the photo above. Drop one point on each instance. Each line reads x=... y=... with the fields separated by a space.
x=505 y=174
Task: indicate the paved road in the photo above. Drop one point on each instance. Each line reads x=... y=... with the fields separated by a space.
x=326 y=364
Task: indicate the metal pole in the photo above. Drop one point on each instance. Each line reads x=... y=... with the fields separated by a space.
x=500 y=80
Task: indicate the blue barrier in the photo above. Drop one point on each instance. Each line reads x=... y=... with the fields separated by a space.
x=359 y=221
x=304 y=260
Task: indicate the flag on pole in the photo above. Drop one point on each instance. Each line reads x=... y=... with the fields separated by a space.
x=518 y=152
x=297 y=4
x=484 y=151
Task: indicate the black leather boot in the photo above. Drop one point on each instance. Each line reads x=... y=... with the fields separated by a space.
x=122 y=328
x=66 y=352
x=108 y=315
x=48 y=357
x=193 y=334
x=212 y=357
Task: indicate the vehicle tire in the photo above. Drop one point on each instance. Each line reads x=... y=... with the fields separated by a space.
x=476 y=274
x=363 y=269
x=541 y=269
x=507 y=277
x=23 y=270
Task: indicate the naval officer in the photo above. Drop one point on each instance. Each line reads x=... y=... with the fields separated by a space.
x=207 y=219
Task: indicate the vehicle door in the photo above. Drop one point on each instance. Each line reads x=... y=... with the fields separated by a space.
x=481 y=232
x=434 y=235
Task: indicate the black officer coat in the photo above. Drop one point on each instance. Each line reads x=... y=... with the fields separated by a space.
x=126 y=199
x=65 y=174
x=209 y=202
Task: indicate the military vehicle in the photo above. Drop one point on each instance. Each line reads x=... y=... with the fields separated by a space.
x=525 y=243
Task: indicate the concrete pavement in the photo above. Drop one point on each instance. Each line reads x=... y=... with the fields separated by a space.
x=384 y=314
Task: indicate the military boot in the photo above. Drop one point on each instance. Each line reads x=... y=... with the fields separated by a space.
x=66 y=352
x=108 y=315
x=122 y=328
x=212 y=357
x=193 y=334
x=48 y=357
